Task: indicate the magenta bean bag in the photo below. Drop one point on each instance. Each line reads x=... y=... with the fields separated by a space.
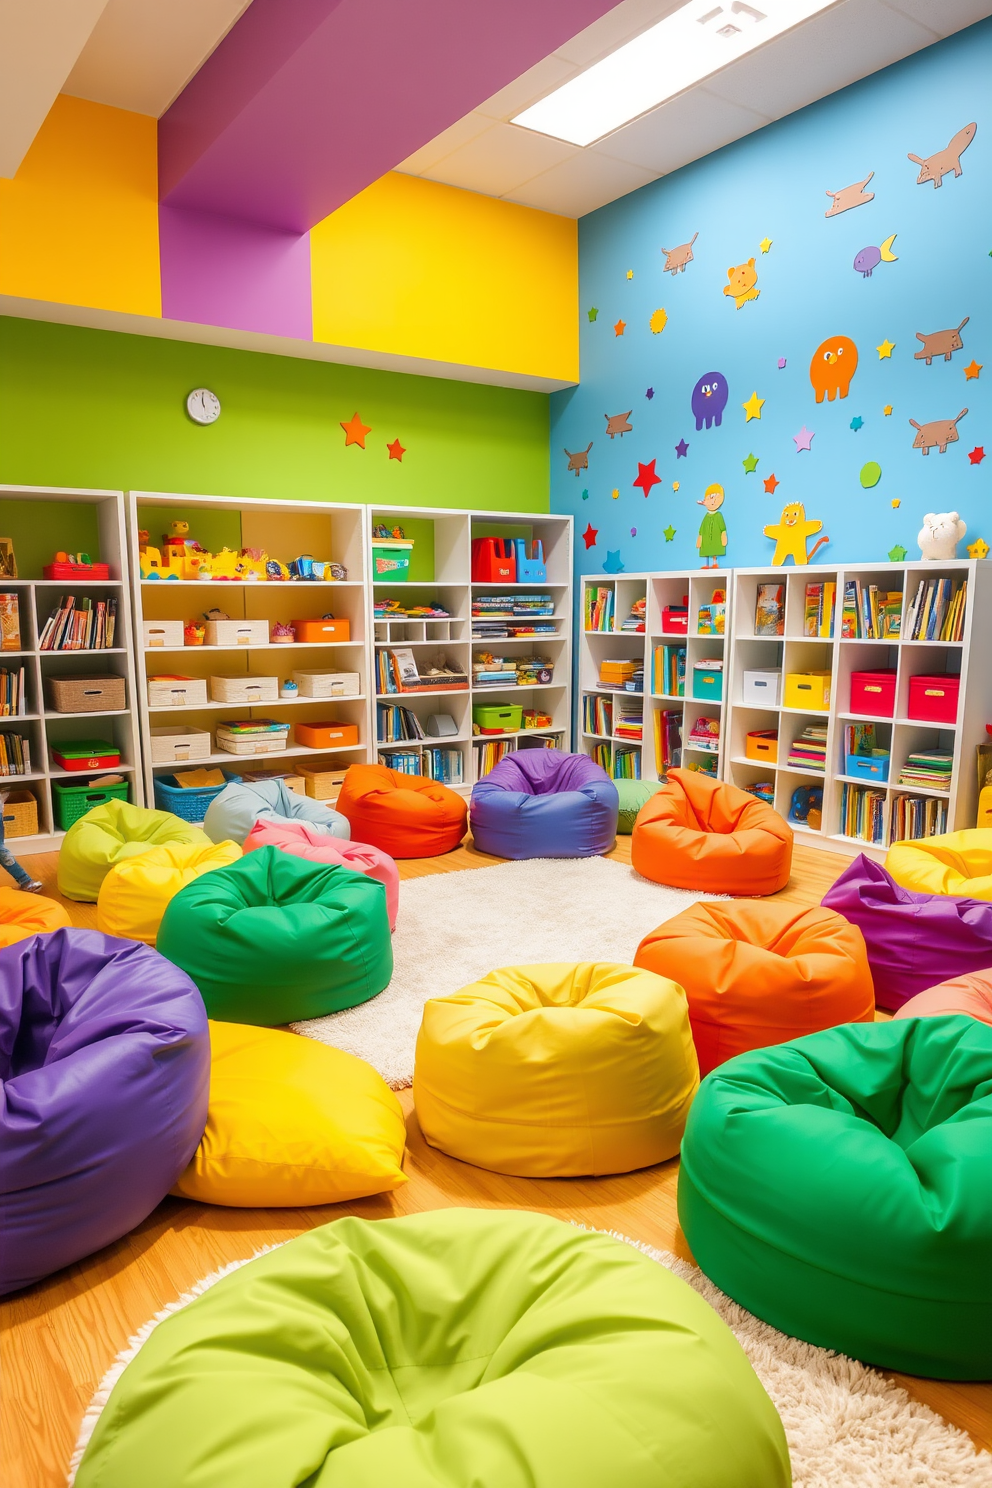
x=971 y=995
x=105 y=1071
x=914 y=940
x=542 y=803
x=300 y=839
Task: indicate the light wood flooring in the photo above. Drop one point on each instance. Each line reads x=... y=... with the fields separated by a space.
x=59 y=1337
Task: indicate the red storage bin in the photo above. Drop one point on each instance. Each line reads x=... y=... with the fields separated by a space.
x=494 y=560
x=874 y=693
x=934 y=699
x=675 y=618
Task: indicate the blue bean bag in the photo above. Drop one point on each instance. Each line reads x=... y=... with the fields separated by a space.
x=541 y=803
x=232 y=814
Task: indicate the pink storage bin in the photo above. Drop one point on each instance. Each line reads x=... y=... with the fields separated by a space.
x=874 y=693
x=934 y=699
x=300 y=839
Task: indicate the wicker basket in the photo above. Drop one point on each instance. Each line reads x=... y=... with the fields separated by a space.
x=191 y=804
x=323 y=785
x=20 y=814
x=88 y=694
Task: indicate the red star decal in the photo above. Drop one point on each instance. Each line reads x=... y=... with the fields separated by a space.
x=355 y=431
x=977 y=455
x=590 y=535
x=771 y=483
x=619 y=328
x=647 y=476
x=396 y=450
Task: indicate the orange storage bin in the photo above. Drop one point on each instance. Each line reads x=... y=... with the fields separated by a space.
x=329 y=735
x=762 y=744
x=311 y=632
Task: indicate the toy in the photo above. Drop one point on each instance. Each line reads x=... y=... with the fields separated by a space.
x=936 y=167
x=790 y=534
x=282 y=634
x=677 y=258
x=743 y=279
x=940 y=343
x=709 y=399
x=834 y=363
x=275 y=571
x=938 y=433
x=289 y=689
x=940 y=534
x=712 y=540
x=193 y=634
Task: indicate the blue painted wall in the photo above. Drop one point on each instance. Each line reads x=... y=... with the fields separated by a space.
x=773 y=185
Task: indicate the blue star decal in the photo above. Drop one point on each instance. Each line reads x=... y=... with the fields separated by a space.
x=613 y=564
x=856 y=423
x=681 y=450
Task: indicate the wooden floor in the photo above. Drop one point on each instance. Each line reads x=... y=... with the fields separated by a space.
x=58 y=1338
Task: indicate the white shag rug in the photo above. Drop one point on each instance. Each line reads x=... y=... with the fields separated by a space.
x=453 y=928
x=847 y=1426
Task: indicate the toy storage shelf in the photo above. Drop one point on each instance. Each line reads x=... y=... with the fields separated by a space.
x=840 y=656
x=284 y=529
x=443 y=545
x=42 y=725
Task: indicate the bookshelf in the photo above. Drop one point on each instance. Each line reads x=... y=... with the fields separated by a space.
x=94 y=518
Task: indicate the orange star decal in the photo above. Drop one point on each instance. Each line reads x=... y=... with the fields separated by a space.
x=396 y=450
x=972 y=370
x=355 y=431
x=619 y=328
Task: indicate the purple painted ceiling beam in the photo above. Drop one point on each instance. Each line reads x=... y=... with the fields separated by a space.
x=307 y=102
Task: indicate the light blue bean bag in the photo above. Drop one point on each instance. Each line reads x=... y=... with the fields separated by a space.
x=232 y=814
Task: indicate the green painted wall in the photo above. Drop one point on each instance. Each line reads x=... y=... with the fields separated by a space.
x=96 y=408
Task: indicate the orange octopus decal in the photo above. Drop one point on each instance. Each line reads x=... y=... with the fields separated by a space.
x=834 y=363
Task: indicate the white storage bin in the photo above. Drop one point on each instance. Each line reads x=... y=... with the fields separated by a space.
x=177 y=692
x=173 y=745
x=244 y=689
x=328 y=684
x=762 y=688
x=162 y=632
x=274 y=742
x=237 y=633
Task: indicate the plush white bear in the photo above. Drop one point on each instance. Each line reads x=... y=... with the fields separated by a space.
x=940 y=534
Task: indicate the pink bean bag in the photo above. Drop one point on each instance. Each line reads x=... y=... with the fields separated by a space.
x=299 y=838
x=964 y=994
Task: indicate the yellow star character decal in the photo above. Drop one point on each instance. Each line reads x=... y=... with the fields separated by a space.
x=753 y=407
x=885 y=350
x=765 y=244
x=630 y=273
x=887 y=409
x=675 y=485
x=896 y=503
x=978 y=549
x=616 y=493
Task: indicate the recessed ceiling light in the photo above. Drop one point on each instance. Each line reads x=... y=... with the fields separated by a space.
x=696 y=41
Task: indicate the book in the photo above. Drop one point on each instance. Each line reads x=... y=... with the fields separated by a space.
x=769 y=610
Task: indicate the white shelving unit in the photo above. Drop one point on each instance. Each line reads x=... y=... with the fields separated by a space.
x=794 y=652
x=451 y=639
x=42 y=725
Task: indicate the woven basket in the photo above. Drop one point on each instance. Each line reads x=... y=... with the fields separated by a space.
x=87 y=694
x=20 y=814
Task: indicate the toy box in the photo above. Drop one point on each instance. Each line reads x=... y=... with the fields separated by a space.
x=327 y=735
x=762 y=688
x=707 y=680
x=873 y=766
x=874 y=693
x=808 y=690
x=497 y=718
x=934 y=699
x=762 y=744
x=391 y=559
x=86 y=754
x=317 y=632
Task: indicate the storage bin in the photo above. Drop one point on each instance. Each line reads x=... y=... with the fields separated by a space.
x=244 y=689
x=934 y=699
x=532 y=569
x=189 y=804
x=323 y=785
x=177 y=745
x=762 y=744
x=69 y=570
x=273 y=740
x=874 y=766
x=20 y=814
x=494 y=560
x=237 y=633
x=87 y=694
x=328 y=684
x=675 y=618
x=808 y=690
x=162 y=633
x=707 y=681
x=317 y=632
x=327 y=735
x=291 y=780
x=391 y=559
x=762 y=688
x=874 y=693
x=86 y=754
x=177 y=692
x=498 y=718
x=70 y=802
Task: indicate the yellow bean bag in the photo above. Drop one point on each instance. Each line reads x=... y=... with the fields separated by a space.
x=557 y=1071
x=959 y=863
x=23 y=914
x=134 y=894
x=291 y=1123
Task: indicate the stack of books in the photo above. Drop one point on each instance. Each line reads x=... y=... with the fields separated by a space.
x=616 y=674
x=705 y=734
x=398 y=609
x=252 y=736
x=669 y=671
x=394 y=724
x=489 y=670
x=629 y=721
x=937 y=611
x=635 y=620
x=809 y=751
x=818 y=615
x=627 y=764
x=15 y=755
x=442 y=764
x=667 y=740
x=82 y=625
x=764 y=790
x=600 y=604
x=870 y=613
x=914 y=817
x=13 y=701
x=862 y=813
x=597 y=716
x=406 y=761
x=927 y=770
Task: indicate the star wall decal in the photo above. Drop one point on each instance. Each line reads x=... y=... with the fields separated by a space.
x=771 y=484
x=658 y=322
x=857 y=422
x=396 y=450
x=619 y=327
x=676 y=485
x=750 y=463
x=972 y=370
x=752 y=408
x=803 y=439
x=592 y=312
x=585 y=495
x=355 y=431
x=896 y=503
x=781 y=363
x=765 y=244
x=615 y=493
x=681 y=450
x=647 y=476
x=668 y=532
x=630 y=273
x=887 y=409
x=897 y=554
x=633 y=531
x=885 y=350
x=978 y=549
x=590 y=535
x=977 y=455
x=613 y=564
x=649 y=394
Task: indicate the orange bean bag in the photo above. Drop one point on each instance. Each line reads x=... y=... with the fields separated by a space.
x=407 y=816
x=703 y=834
x=23 y=914
x=971 y=995
x=758 y=974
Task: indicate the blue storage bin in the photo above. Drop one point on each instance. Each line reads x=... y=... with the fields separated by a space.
x=707 y=683
x=530 y=569
x=189 y=805
x=874 y=766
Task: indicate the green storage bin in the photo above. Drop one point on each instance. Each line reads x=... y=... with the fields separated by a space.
x=391 y=559
x=707 y=683
x=498 y=718
x=73 y=801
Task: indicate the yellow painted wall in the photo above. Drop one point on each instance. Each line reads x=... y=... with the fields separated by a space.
x=79 y=221
x=420 y=269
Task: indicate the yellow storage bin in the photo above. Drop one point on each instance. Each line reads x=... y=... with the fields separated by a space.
x=808 y=690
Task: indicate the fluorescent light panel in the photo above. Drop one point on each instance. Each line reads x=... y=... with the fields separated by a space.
x=696 y=41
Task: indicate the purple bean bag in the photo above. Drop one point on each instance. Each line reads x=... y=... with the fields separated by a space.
x=541 y=803
x=104 y=1076
x=914 y=940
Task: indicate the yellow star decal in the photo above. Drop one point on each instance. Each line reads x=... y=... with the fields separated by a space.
x=885 y=350
x=753 y=407
x=972 y=370
x=765 y=244
x=896 y=503
x=675 y=485
x=978 y=549
x=616 y=494
x=630 y=273
x=658 y=322
x=887 y=409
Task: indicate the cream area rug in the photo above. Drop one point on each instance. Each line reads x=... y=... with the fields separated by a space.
x=846 y=1425
x=453 y=928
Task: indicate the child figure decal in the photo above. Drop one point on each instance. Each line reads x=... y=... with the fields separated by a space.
x=712 y=539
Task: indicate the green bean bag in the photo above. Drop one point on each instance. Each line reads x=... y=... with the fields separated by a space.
x=274 y=938
x=840 y=1187
x=633 y=795
x=501 y=1350
x=107 y=835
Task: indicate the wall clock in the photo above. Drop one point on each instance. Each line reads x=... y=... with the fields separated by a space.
x=203 y=406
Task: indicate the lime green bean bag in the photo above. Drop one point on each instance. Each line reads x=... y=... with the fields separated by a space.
x=274 y=938
x=633 y=795
x=501 y=1350
x=107 y=835
x=840 y=1187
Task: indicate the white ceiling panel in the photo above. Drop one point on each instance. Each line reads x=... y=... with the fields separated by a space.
x=502 y=158
x=39 y=42
x=942 y=16
x=581 y=184
x=469 y=128
x=621 y=24
x=680 y=131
